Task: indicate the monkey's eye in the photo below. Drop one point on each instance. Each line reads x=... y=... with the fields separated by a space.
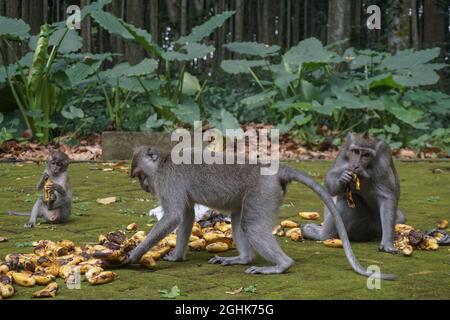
x=366 y=155
x=355 y=151
x=53 y=162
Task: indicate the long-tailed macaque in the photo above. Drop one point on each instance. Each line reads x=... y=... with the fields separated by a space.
x=55 y=205
x=368 y=208
x=252 y=198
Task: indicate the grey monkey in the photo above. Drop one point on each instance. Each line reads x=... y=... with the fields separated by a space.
x=252 y=198
x=59 y=208
x=375 y=211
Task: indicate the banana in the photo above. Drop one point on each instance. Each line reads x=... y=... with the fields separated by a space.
x=6 y=279
x=67 y=270
x=222 y=226
x=288 y=233
x=47 y=191
x=333 y=243
x=172 y=240
x=23 y=279
x=403 y=228
x=295 y=234
x=147 y=261
x=138 y=236
x=4 y=269
x=429 y=244
x=442 y=224
x=43 y=279
x=6 y=291
x=217 y=247
x=52 y=269
x=307 y=215
x=102 y=278
x=92 y=272
x=197 y=245
x=193 y=238
x=289 y=224
x=132 y=226
x=48 y=292
x=66 y=244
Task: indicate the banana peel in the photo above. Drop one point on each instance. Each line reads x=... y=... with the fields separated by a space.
x=48 y=292
x=333 y=243
x=102 y=278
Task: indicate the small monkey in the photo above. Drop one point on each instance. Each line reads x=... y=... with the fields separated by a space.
x=252 y=198
x=373 y=210
x=57 y=209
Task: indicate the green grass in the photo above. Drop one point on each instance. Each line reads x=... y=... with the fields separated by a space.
x=318 y=272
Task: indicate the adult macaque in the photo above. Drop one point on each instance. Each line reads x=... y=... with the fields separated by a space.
x=366 y=188
x=252 y=198
x=55 y=205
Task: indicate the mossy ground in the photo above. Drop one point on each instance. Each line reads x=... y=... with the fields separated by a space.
x=318 y=272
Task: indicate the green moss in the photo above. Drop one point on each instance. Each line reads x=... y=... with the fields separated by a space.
x=318 y=272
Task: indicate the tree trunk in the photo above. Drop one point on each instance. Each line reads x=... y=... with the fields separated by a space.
x=12 y=9
x=414 y=26
x=435 y=24
x=357 y=23
x=239 y=24
x=86 y=26
x=296 y=23
x=154 y=27
x=219 y=7
x=135 y=16
x=305 y=19
x=399 y=32
x=172 y=10
x=338 y=21
x=117 y=45
x=183 y=22
x=281 y=23
x=288 y=24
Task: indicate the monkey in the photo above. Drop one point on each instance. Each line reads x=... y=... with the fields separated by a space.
x=252 y=198
x=373 y=210
x=58 y=209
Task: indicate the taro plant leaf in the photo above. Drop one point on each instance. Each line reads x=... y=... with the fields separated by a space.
x=72 y=112
x=393 y=128
x=259 y=99
x=72 y=41
x=24 y=62
x=173 y=293
x=409 y=116
x=143 y=68
x=309 y=91
x=191 y=85
x=327 y=107
x=298 y=120
x=205 y=29
x=111 y=23
x=223 y=120
x=240 y=66
x=94 y=6
x=187 y=111
x=13 y=29
x=143 y=38
x=420 y=76
x=80 y=71
x=309 y=50
x=383 y=80
x=37 y=69
x=408 y=59
x=152 y=123
x=252 y=48
x=191 y=51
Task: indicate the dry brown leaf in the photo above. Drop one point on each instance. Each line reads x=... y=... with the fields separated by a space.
x=235 y=291
x=107 y=200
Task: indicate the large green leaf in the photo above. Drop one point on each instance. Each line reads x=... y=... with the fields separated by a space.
x=80 y=71
x=72 y=112
x=13 y=69
x=111 y=23
x=191 y=85
x=240 y=66
x=145 y=67
x=37 y=69
x=72 y=41
x=189 y=52
x=187 y=111
x=409 y=116
x=143 y=38
x=309 y=91
x=14 y=29
x=252 y=48
x=408 y=59
x=259 y=99
x=93 y=7
x=327 y=107
x=309 y=50
x=205 y=29
x=223 y=120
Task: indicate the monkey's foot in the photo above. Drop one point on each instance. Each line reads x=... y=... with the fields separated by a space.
x=312 y=231
x=172 y=256
x=28 y=225
x=229 y=261
x=266 y=270
x=388 y=249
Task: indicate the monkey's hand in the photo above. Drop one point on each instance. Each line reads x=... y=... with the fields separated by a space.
x=346 y=177
x=173 y=256
x=56 y=187
x=28 y=225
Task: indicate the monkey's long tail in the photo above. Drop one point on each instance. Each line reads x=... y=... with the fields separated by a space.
x=15 y=213
x=288 y=174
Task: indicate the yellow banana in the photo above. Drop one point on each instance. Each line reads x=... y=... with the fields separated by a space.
x=217 y=247
x=6 y=290
x=307 y=215
x=23 y=279
x=289 y=224
x=48 y=292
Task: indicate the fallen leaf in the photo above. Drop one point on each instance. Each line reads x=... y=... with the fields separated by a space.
x=2 y=239
x=108 y=169
x=108 y=200
x=170 y=294
x=235 y=291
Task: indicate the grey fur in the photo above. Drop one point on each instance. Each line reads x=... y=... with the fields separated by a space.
x=253 y=200
x=376 y=211
x=59 y=210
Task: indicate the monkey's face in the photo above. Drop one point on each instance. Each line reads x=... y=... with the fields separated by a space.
x=359 y=159
x=146 y=160
x=57 y=163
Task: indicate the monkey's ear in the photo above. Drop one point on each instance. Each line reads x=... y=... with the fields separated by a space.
x=134 y=172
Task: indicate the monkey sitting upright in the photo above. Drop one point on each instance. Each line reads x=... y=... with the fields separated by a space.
x=369 y=207
x=56 y=204
x=252 y=198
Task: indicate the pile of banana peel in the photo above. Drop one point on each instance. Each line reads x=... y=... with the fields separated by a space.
x=407 y=239
x=64 y=259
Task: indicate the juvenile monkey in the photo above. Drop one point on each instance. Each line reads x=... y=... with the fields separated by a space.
x=57 y=208
x=252 y=198
x=370 y=212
